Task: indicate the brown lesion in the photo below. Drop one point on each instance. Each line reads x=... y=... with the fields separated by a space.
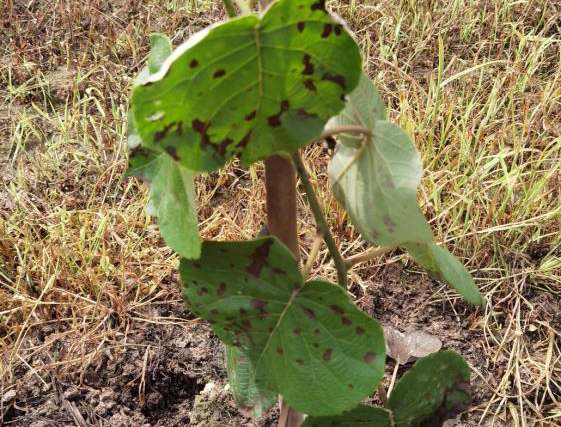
x=219 y=73
x=327 y=29
x=259 y=258
x=275 y=119
x=338 y=79
x=301 y=25
x=319 y=5
x=308 y=65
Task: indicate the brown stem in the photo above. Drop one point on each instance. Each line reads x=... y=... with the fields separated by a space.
x=280 y=183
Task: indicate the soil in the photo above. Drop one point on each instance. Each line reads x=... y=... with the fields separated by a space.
x=173 y=375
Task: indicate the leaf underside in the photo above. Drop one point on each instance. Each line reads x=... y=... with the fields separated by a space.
x=172 y=191
x=306 y=341
x=361 y=416
x=241 y=378
x=250 y=87
x=376 y=180
x=433 y=390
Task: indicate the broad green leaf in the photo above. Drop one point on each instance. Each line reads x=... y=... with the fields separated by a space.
x=241 y=377
x=440 y=263
x=306 y=341
x=249 y=87
x=172 y=201
x=433 y=390
x=376 y=178
x=377 y=183
x=361 y=416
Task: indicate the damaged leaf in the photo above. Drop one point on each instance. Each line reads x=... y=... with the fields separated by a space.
x=376 y=178
x=306 y=341
x=435 y=389
x=403 y=347
x=249 y=87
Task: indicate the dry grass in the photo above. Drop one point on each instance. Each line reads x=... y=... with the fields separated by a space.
x=477 y=83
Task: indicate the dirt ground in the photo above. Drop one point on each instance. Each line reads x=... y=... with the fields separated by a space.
x=93 y=331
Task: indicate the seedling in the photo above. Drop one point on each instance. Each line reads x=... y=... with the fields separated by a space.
x=260 y=87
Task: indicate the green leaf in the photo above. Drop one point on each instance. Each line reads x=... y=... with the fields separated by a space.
x=376 y=178
x=249 y=87
x=245 y=390
x=172 y=201
x=441 y=264
x=377 y=184
x=361 y=416
x=307 y=341
x=432 y=391
x=160 y=49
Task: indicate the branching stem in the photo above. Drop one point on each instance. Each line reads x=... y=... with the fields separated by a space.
x=361 y=130
x=320 y=220
x=367 y=255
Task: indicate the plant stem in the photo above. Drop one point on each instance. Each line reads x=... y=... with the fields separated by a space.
x=230 y=8
x=316 y=246
x=346 y=129
x=321 y=221
x=368 y=255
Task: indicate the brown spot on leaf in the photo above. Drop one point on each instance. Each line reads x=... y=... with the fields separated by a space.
x=346 y=321
x=310 y=314
x=284 y=105
x=219 y=73
x=304 y=115
x=243 y=310
x=245 y=140
x=202 y=291
x=259 y=304
x=327 y=28
x=172 y=151
x=251 y=116
x=319 y=5
x=221 y=289
x=369 y=357
x=389 y=223
x=300 y=361
x=359 y=331
x=338 y=29
x=310 y=85
x=335 y=78
x=259 y=258
x=337 y=310
x=316 y=331
x=350 y=386
x=246 y=324
x=161 y=134
x=327 y=354
x=297 y=331
x=308 y=66
x=194 y=63
x=280 y=350
x=301 y=25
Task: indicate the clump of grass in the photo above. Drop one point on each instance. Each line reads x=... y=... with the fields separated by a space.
x=477 y=84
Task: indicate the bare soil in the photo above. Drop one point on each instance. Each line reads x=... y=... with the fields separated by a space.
x=159 y=378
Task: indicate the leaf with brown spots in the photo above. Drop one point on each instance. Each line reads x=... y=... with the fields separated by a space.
x=376 y=178
x=300 y=337
x=434 y=389
x=171 y=185
x=248 y=80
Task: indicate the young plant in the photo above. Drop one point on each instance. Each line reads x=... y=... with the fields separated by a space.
x=259 y=87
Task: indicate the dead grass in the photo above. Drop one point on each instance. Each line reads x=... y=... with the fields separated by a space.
x=477 y=83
